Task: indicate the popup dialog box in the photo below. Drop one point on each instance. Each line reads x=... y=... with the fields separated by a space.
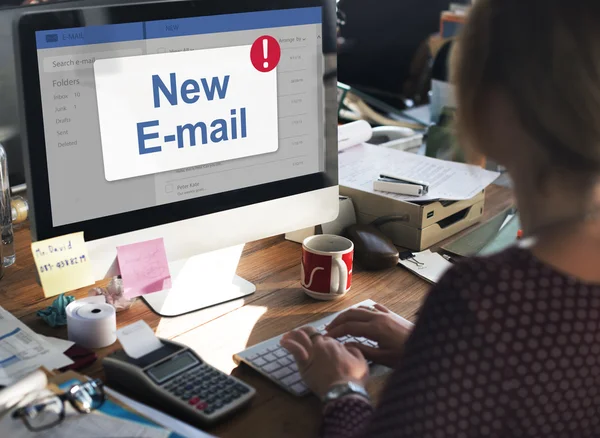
x=174 y=110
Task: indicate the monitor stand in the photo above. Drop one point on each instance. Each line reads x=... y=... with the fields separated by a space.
x=201 y=281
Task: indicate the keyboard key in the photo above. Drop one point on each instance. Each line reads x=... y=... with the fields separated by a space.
x=362 y=340
x=285 y=361
x=291 y=379
x=259 y=362
x=201 y=406
x=253 y=357
x=273 y=347
x=343 y=338
x=209 y=410
x=294 y=366
x=194 y=400
x=270 y=357
x=281 y=373
x=299 y=388
x=281 y=353
x=270 y=367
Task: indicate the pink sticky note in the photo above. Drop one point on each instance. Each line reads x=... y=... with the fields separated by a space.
x=144 y=267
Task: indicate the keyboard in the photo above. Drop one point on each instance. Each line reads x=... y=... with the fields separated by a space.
x=274 y=362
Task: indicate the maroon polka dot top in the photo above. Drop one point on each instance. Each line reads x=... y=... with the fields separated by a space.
x=504 y=346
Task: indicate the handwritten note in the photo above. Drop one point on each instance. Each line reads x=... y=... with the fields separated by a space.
x=144 y=267
x=63 y=263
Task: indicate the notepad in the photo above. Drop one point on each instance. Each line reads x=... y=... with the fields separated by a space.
x=63 y=263
x=428 y=265
x=144 y=267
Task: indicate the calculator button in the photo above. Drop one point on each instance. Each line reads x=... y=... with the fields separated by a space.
x=194 y=400
x=270 y=357
x=253 y=357
x=230 y=382
x=201 y=406
x=241 y=388
x=209 y=410
x=280 y=353
x=189 y=387
x=294 y=366
x=273 y=347
x=186 y=395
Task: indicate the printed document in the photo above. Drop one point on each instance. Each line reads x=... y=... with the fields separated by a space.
x=23 y=351
x=360 y=165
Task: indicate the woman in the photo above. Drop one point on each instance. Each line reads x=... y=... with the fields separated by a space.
x=507 y=345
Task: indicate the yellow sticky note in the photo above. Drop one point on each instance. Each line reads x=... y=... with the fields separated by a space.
x=63 y=263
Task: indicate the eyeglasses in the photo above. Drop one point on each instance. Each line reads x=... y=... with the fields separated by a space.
x=47 y=412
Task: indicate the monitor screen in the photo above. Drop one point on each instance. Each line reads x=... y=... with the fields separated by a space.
x=141 y=114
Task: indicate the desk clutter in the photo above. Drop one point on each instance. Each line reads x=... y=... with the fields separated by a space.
x=167 y=375
x=447 y=197
x=43 y=404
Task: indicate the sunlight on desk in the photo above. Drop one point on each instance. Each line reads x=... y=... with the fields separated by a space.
x=229 y=333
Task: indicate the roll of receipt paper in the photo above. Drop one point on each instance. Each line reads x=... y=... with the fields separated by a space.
x=91 y=322
x=354 y=133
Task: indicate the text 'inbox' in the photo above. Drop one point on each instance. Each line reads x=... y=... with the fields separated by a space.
x=175 y=110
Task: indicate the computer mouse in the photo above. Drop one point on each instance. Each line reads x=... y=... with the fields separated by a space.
x=373 y=250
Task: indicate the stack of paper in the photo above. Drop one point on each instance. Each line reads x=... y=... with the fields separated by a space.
x=23 y=351
x=360 y=165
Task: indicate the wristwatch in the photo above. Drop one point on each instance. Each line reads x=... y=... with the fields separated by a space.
x=342 y=389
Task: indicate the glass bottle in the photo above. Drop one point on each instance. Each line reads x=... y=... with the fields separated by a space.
x=8 y=247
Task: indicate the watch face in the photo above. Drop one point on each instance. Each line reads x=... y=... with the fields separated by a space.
x=339 y=390
x=343 y=389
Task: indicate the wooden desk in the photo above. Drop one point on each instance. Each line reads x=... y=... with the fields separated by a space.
x=217 y=333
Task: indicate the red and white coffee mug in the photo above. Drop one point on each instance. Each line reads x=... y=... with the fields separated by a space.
x=326 y=271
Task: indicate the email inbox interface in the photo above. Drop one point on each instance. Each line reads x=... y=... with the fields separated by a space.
x=150 y=113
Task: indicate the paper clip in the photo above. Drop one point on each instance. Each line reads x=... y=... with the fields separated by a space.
x=410 y=257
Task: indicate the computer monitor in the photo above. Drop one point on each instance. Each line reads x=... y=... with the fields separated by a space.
x=10 y=137
x=178 y=120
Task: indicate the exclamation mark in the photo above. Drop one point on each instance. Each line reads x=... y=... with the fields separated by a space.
x=265 y=52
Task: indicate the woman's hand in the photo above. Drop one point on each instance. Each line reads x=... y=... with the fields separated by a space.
x=379 y=325
x=323 y=361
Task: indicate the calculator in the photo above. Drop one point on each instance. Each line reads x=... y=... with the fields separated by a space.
x=174 y=379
